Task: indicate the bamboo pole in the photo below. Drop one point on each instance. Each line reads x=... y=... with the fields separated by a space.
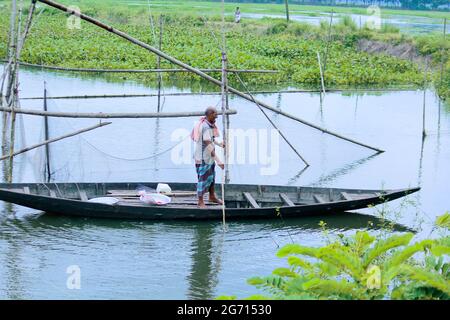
x=4 y=125
x=158 y=59
x=14 y=83
x=224 y=99
x=325 y=59
x=8 y=71
x=11 y=51
x=116 y=115
x=225 y=119
x=12 y=28
x=56 y=68
x=19 y=42
x=286 y=4
x=321 y=73
x=442 y=53
x=47 y=136
x=103 y=96
x=6 y=75
x=196 y=71
x=27 y=25
x=54 y=140
x=424 y=96
x=224 y=91
x=13 y=97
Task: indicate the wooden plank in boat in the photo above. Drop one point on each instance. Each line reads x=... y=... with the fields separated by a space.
x=346 y=196
x=286 y=200
x=318 y=199
x=251 y=200
x=83 y=195
x=360 y=196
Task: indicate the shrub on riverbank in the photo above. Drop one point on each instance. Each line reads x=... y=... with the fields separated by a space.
x=362 y=267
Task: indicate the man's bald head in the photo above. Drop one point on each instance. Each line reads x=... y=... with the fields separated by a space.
x=211 y=114
x=210 y=110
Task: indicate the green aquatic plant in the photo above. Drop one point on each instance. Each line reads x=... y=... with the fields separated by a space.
x=362 y=266
x=443 y=221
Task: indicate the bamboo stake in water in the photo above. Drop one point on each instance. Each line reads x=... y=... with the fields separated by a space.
x=11 y=50
x=14 y=85
x=321 y=73
x=424 y=95
x=224 y=109
x=47 y=137
x=442 y=53
x=286 y=4
x=225 y=117
x=116 y=115
x=328 y=44
x=54 y=140
x=158 y=59
x=8 y=71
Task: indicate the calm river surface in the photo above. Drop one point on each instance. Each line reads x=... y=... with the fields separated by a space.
x=406 y=24
x=195 y=260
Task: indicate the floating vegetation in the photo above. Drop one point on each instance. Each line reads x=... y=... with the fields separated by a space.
x=269 y=44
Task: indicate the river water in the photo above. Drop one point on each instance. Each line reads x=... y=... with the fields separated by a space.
x=374 y=16
x=197 y=260
x=406 y=24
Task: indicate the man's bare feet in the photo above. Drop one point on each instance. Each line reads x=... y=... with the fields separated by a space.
x=215 y=200
x=201 y=203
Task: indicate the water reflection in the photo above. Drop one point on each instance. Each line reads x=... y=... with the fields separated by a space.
x=14 y=269
x=203 y=276
x=199 y=247
x=330 y=177
x=132 y=259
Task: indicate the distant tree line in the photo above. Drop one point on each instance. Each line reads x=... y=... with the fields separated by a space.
x=405 y=4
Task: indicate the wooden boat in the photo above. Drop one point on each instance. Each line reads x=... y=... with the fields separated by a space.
x=242 y=201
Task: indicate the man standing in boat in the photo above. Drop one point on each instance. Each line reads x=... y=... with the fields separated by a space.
x=204 y=134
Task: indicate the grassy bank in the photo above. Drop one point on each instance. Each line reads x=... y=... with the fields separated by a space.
x=255 y=44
